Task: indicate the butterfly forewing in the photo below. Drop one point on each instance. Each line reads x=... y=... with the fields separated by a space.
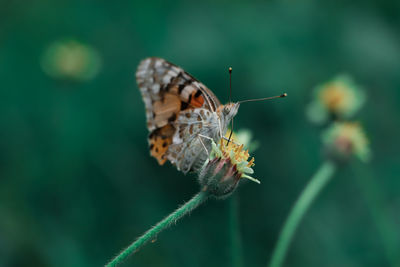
x=166 y=89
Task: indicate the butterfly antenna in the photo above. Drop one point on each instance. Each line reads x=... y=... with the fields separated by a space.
x=230 y=101
x=230 y=84
x=262 y=99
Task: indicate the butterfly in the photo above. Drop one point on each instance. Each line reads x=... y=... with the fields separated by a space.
x=183 y=115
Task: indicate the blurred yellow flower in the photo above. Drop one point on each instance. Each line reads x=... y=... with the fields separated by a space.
x=340 y=98
x=71 y=59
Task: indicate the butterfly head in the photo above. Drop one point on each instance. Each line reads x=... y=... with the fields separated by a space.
x=227 y=112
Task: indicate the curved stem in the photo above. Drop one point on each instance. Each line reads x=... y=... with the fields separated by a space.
x=151 y=234
x=235 y=236
x=375 y=200
x=314 y=186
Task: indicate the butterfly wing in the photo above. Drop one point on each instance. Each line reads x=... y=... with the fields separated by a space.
x=192 y=139
x=170 y=95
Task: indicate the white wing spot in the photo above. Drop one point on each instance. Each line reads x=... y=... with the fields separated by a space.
x=158 y=64
x=156 y=88
x=166 y=79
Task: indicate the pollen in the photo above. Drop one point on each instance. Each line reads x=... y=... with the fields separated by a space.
x=235 y=151
x=231 y=148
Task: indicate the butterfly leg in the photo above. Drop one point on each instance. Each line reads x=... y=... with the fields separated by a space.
x=226 y=139
x=206 y=137
x=222 y=136
x=201 y=141
x=220 y=128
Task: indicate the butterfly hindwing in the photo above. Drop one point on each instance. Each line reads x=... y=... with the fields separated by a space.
x=194 y=128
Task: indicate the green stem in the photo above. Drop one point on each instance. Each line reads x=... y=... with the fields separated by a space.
x=310 y=192
x=375 y=199
x=151 y=234
x=235 y=236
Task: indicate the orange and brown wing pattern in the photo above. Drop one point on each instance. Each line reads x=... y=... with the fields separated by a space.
x=167 y=90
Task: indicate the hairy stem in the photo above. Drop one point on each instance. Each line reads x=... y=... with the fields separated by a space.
x=235 y=236
x=310 y=192
x=151 y=234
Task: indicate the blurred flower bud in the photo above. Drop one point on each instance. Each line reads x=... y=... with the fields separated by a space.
x=226 y=165
x=70 y=59
x=340 y=98
x=344 y=139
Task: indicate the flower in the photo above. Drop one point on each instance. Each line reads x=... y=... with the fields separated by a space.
x=339 y=98
x=245 y=136
x=226 y=165
x=344 y=139
x=71 y=59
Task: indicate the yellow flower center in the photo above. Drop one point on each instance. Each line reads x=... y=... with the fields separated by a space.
x=336 y=96
x=239 y=154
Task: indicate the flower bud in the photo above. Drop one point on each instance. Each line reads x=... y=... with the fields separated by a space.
x=345 y=139
x=225 y=167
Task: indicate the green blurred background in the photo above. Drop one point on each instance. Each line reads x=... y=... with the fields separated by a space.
x=77 y=183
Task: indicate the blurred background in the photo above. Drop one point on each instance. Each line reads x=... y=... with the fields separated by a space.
x=77 y=183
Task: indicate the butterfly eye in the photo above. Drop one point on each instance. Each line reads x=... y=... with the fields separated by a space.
x=226 y=110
